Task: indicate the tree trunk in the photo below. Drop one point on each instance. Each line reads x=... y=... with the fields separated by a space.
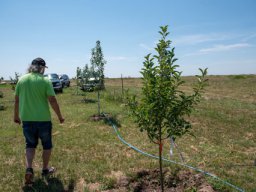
x=160 y=165
x=98 y=102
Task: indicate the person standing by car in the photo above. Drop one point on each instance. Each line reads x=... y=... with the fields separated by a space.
x=32 y=94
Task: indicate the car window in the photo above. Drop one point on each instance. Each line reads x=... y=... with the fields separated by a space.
x=53 y=76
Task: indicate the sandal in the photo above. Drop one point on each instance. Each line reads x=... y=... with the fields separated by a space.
x=48 y=172
x=29 y=176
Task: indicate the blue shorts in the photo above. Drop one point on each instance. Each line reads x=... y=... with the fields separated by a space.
x=33 y=130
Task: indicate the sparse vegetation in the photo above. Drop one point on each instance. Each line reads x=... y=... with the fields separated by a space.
x=14 y=80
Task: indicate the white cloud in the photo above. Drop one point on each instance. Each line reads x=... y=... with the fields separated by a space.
x=144 y=46
x=194 y=39
x=116 y=58
x=218 y=48
x=199 y=38
x=249 y=37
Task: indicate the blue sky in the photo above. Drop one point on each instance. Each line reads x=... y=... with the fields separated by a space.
x=218 y=34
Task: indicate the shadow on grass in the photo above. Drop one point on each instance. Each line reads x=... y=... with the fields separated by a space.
x=112 y=120
x=85 y=100
x=107 y=119
x=51 y=184
x=82 y=101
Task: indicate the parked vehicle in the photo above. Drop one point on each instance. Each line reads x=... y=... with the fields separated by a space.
x=64 y=80
x=90 y=85
x=56 y=83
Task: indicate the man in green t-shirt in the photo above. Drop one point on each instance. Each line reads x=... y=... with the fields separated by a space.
x=32 y=94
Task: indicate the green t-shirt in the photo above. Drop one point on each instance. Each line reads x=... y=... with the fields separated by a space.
x=33 y=90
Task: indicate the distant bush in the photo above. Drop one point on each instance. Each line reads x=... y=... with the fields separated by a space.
x=2 y=107
x=240 y=76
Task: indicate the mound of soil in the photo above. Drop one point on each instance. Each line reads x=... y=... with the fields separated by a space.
x=148 y=180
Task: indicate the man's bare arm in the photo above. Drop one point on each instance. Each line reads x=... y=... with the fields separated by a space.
x=55 y=106
x=16 y=117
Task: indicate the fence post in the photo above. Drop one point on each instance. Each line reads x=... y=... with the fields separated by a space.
x=122 y=86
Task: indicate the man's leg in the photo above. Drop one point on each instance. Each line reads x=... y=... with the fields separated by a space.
x=45 y=135
x=46 y=171
x=46 y=157
x=30 y=154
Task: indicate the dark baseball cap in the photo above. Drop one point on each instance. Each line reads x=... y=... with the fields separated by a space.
x=39 y=61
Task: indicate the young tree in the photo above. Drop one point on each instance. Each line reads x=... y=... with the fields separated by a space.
x=83 y=75
x=163 y=108
x=15 y=80
x=78 y=72
x=86 y=73
x=97 y=64
x=78 y=78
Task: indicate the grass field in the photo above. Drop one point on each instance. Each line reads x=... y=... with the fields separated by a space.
x=88 y=153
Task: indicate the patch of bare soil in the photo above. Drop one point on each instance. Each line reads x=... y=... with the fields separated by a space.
x=97 y=117
x=148 y=181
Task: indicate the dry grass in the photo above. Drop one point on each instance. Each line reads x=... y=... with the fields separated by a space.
x=88 y=154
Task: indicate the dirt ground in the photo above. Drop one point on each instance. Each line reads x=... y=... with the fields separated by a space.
x=148 y=181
